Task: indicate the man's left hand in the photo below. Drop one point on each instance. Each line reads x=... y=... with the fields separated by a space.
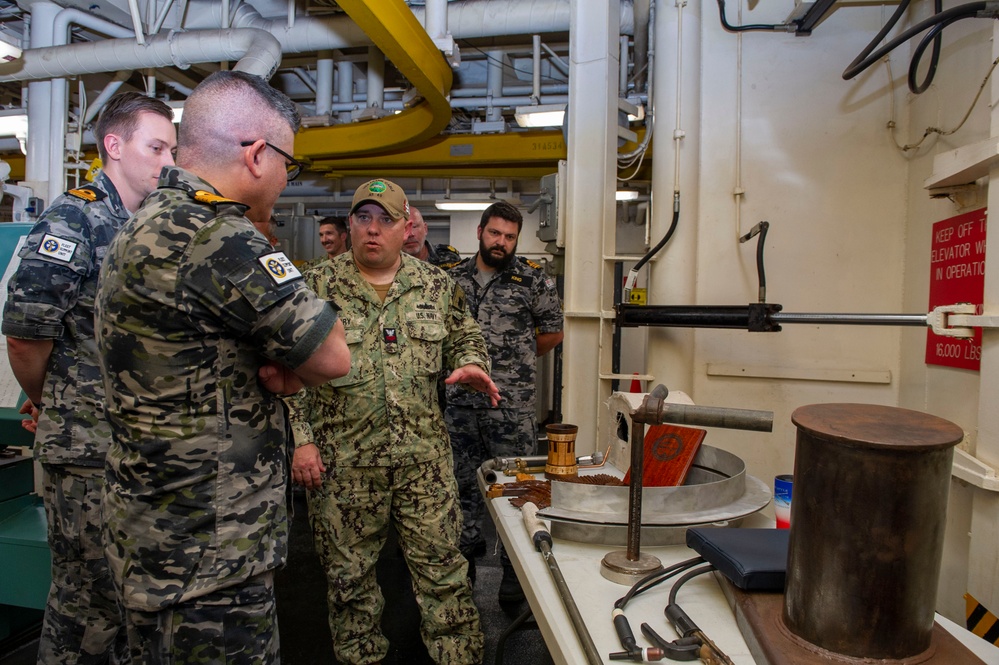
x=278 y=379
x=474 y=377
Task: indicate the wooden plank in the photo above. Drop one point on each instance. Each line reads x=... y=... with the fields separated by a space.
x=669 y=454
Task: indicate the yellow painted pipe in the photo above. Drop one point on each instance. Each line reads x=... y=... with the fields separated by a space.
x=393 y=28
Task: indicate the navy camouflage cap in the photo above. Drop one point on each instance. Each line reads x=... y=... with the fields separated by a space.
x=385 y=193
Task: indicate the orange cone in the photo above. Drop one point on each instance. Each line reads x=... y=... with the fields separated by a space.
x=636 y=385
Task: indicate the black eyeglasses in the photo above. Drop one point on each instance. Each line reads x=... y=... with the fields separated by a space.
x=293 y=166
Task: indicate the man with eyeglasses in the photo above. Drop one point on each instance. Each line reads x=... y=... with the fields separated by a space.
x=202 y=326
x=372 y=447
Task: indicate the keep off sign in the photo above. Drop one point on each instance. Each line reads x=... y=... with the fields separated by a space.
x=957 y=275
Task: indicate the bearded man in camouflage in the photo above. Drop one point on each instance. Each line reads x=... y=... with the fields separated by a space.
x=372 y=446
x=202 y=325
x=49 y=323
x=519 y=310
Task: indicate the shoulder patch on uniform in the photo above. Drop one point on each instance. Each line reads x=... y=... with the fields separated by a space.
x=531 y=263
x=90 y=194
x=201 y=196
x=452 y=249
x=279 y=267
x=57 y=248
x=449 y=265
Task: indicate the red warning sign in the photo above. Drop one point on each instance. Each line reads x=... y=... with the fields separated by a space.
x=957 y=275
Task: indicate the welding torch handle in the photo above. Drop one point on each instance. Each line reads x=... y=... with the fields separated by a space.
x=535 y=527
x=543 y=542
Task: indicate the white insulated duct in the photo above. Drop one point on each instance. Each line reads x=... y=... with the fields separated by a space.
x=468 y=19
x=256 y=51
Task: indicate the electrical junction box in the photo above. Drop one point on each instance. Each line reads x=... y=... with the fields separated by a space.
x=550 y=222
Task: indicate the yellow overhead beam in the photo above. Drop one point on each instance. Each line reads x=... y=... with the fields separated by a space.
x=390 y=24
x=459 y=153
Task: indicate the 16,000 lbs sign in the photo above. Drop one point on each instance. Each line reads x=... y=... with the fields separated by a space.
x=957 y=275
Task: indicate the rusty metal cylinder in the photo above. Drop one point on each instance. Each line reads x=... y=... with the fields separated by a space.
x=867 y=525
x=561 y=451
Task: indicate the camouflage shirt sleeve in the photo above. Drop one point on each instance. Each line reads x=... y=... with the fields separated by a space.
x=55 y=259
x=546 y=308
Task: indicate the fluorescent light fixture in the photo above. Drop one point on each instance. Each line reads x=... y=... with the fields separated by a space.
x=454 y=205
x=10 y=47
x=540 y=115
x=178 y=111
x=467 y=202
x=14 y=122
x=626 y=195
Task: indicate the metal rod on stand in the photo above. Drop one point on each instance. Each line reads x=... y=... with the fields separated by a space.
x=631 y=565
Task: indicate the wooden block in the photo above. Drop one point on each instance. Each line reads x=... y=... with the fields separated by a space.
x=669 y=454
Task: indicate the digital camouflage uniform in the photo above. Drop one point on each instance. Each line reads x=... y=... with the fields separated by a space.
x=383 y=440
x=518 y=303
x=51 y=297
x=191 y=302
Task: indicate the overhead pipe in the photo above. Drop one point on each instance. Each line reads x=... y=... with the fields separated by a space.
x=324 y=83
x=436 y=19
x=133 y=12
x=513 y=90
x=345 y=89
x=256 y=51
x=60 y=88
x=107 y=93
x=465 y=20
x=376 y=78
x=162 y=17
x=535 y=69
x=494 y=82
x=39 y=107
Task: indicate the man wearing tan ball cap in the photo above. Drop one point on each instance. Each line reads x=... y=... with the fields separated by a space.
x=372 y=447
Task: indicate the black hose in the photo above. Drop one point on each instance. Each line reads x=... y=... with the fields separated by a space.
x=934 y=36
x=948 y=16
x=745 y=28
x=686 y=578
x=669 y=234
x=761 y=273
x=654 y=579
x=885 y=29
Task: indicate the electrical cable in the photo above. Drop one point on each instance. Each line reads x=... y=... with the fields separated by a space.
x=633 y=273
x=623 y=628
x=934 y=36
x=747 y=28
x=969 y=10
x=691 y=574
x=759 y=229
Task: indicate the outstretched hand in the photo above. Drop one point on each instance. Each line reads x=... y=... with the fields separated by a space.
x=474 y=377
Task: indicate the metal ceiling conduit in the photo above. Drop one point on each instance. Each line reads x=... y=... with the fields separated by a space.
x=256 y=51
x=465 y=20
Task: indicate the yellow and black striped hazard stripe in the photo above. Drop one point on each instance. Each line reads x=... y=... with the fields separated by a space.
x=980 y=621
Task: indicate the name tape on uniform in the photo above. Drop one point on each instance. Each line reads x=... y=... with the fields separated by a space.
x=279 y=267
x=59 y=249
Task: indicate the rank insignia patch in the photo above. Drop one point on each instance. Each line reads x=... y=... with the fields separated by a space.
x=59 y=249
x=279 y=267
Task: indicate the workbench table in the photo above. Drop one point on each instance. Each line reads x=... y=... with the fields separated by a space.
x=701 y=597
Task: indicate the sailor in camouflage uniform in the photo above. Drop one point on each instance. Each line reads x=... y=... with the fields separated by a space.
x=49 y=323
x=372 y=446
x=201 y=326
x=335 y=239
x=519 y=311
x=442 y=256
